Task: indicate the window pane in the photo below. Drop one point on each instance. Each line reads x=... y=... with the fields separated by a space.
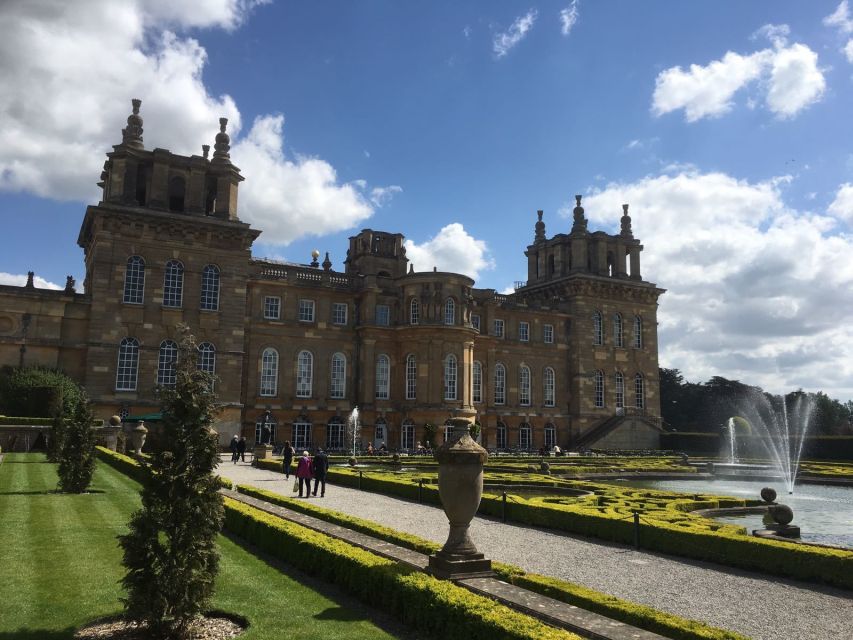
x=411 y=378
x=306 y=311
x=210 y=288
x=414 y=312
x=128 y=364
x=269 y=372
x=548 y=333
x=599 y=389
x=166 y=364
x=500 y=384
x=524 y=386
x=304 y=374
x=339 y=376
x=134 y=280
x=173 y=284
x=383 y=380
x=383 y=315
x=478 y=382
x=272 y=307
x=548 y=387
x=339 y=313
x=450 y=312
x=450 y=377
x=524 y=331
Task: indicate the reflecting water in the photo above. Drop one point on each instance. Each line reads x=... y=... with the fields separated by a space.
x=824 y=514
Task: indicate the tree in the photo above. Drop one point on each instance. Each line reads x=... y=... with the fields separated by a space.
x=37 y=392
x=429 y=435
x=170 y=551
x=77 y=456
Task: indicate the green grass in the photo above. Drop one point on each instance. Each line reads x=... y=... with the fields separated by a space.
x=60 y=566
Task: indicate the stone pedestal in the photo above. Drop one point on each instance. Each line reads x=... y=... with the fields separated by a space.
x=263 y=451
x=460 y=486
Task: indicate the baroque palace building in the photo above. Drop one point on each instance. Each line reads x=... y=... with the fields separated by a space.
x=569 y=359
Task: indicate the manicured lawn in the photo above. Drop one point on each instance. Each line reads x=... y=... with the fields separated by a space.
x=60 y=566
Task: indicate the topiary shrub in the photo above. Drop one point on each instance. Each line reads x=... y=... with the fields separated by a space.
x=55 y=438
x=545 y=468
x=77 y=456
x=170 y=551
x=37 y=392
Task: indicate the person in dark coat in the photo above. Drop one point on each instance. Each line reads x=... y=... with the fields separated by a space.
x=321 y=466
x=304 y=471
x=241 y=448
x=233 y=447
x=288 y=458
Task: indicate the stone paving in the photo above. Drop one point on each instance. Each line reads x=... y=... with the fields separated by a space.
x=760 y=606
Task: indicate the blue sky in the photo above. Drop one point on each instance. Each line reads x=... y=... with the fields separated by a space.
x=725 y=125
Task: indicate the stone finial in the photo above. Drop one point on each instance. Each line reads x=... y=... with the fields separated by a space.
x=30 y=276
x=579 y=222
x=626 y=223
x=314 y=255
x=327 y=264
x=131 y=135
x=69 y=284
x=411 y=268
x=205 y=151
x=223 y=143
x=540 y=228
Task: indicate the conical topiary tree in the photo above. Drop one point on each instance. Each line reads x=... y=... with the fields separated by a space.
x=77 y=456
x=170 y=552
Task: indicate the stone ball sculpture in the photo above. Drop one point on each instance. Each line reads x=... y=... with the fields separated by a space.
x=782 y=514
x=545 y=468
x=768 y=494
x=352 y=462
x=115 y=421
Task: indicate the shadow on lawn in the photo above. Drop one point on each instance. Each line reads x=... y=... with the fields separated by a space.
x=340 y=613
x=37 y=634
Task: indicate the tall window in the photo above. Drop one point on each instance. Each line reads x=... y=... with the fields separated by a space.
x=407 y=435
x=269 y=372
x=339 y=313
x=639 y=392
x=173 y=284
x=304 y=374
x=498 y=328
x=207 y=357
x=128 y=364
x=524 y=385
x=335 y=433
x=301 y=435
x=620 y=391
x=383 y=315
x=550 y=435
x=166 y=376
x=525 y=439
x=414 y=311
x=475 y=322
x=448 y=431
x=548 y=385
x=272 y=307
x=618 y=331
x=338 y=381
x=134 y=280
x=449 y=311
x=500 y=436
x=638 y=332
x=477 y=379
x=411 y=377
x=500 y=384
x=597 y=329
x=383 y=377
x=524 y=331
x=450 y=377
x=599 y=389
x=210 y=288
x=548 y=333
x=381 y=431
x=306 y=311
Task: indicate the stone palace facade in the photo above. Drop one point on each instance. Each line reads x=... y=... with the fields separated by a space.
x=570 y=358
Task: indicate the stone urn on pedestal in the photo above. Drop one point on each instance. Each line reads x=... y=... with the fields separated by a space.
x=460 y=486
x=138 y=435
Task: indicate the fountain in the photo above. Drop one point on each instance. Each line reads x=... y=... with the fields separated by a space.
x=354 y=430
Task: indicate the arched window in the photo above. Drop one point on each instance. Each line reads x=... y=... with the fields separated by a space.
x=448 y=431
x=618 y=331
x=449 y=311
x=524 y=385
x=597 y=329
x=134 y=280
x=500 y=384
x=304 y=374
x=550 y=435
x=525 y=436
x=173 y=284
x=411 y=377
x=166 y=364
x=500 y=436
x=177 y=192
x=639 y=392
x=301 y=433
x=335 y=434
x=383 y=377
x=620 y=392
x=210 y=288
x=450 y=377
x=407 y=435
x=548 y=387
x=207 y=359
x=477 y=378
x=599 y=389
x=414 y=311
x=638 y=332
x=269 y=372
x=380 y=432
x=338 y=376
x=128 y=364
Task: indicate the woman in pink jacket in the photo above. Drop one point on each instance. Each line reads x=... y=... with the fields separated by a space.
x=304 y=471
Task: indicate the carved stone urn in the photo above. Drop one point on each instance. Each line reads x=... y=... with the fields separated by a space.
x=460 y=486
x=138 y=435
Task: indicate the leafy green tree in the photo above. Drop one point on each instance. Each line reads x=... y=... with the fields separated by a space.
x=170 y=551
x=23 y=393
x=429 y=435
x=77 y=456
x=56 y=437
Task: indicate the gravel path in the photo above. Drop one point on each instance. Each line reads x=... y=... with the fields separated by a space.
x=762 y=607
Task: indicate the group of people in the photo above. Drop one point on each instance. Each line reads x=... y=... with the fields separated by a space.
x=238 y=449
x=306 y=469
x=381 y=451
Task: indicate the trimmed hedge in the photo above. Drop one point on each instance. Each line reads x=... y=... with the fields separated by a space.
x=437 y=607
x=630 y=613
x=130 y=467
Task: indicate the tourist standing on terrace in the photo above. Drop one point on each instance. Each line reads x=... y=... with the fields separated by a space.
x=288 y=458
x=304 y=471
x=321 y=466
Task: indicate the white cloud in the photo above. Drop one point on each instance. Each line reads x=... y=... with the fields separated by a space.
x=789 y=74
x=506 y=40
x=507 y=290
x=568 y=18
x=840 y=18
x=848 y=51
x=466 y=31
x=755 y=288
x=69 y=71
x=842 y=206
x=18 y=280
x=451 y=249
x=381 y=196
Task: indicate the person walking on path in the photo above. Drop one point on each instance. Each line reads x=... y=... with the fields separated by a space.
x=304 y=471
x=241 y=449
x=321 y=466
x=233 y=447
x=288 y=458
